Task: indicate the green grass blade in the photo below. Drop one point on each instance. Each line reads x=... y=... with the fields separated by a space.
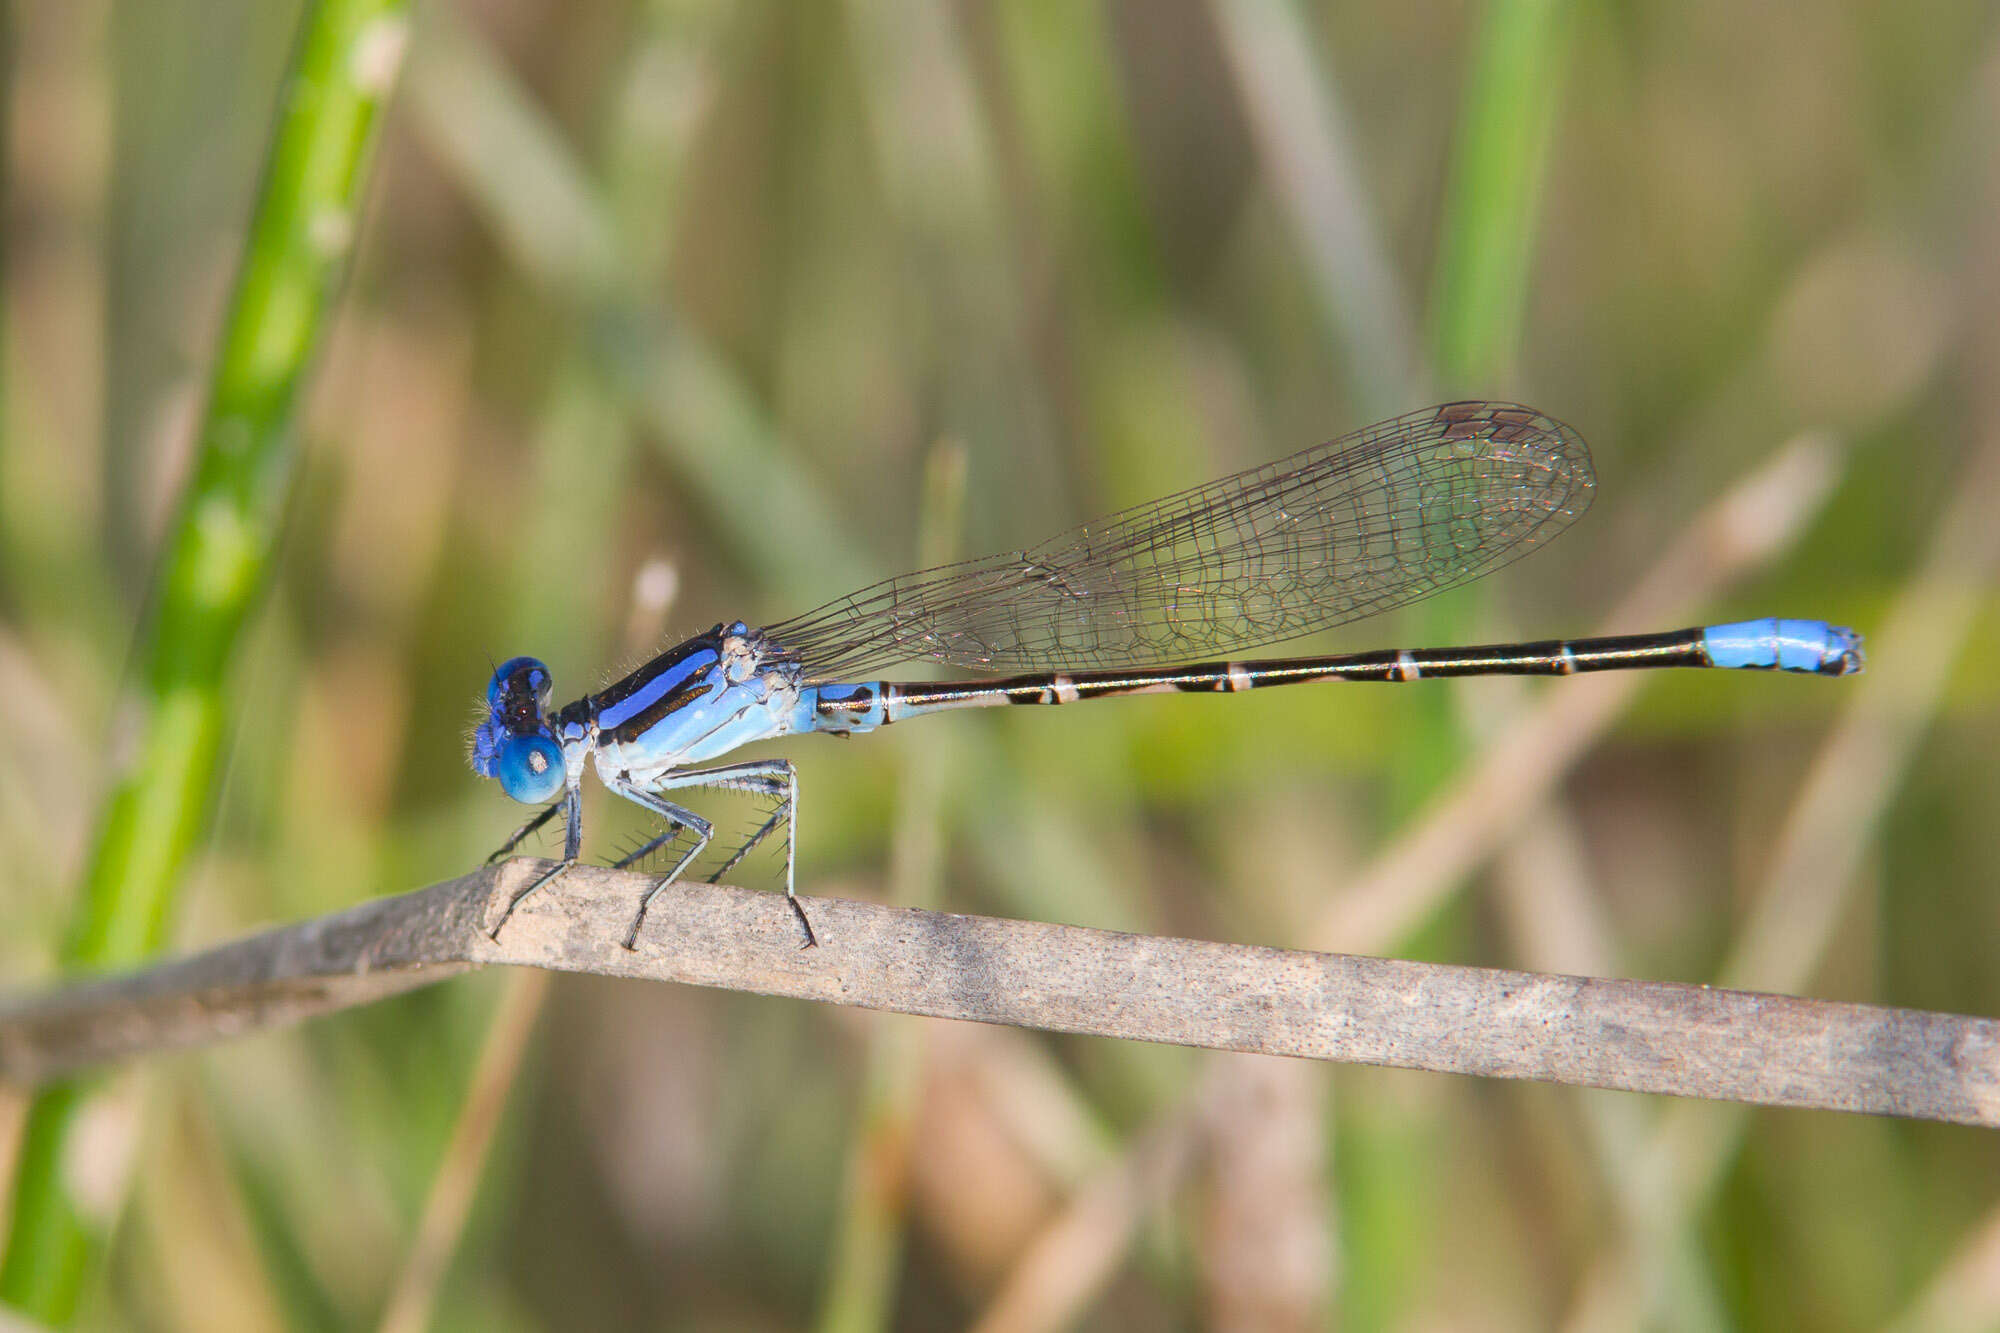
x=488 y=133
x=868 y=1240
x=1504 y=129
x=1505 y=123
x=216 y=561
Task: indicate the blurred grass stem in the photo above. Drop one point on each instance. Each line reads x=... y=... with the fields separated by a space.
x=485 y=129
x=216 y=562
x=1504 y=127
x=1302 y=140
x=456 y=1182
x=1493 y=193
x=1810 y=882
x=868 y=1242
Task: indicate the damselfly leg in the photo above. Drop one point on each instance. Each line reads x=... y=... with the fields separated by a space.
x=522 y=833
x=572 y=807
x=769 y=777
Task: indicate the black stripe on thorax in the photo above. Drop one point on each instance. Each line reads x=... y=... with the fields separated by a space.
x=637 y=725
x=667 y=663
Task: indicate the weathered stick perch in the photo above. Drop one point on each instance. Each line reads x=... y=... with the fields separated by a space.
x=1640 y=1036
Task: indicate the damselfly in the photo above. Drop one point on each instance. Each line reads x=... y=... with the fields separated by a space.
x=1377 y=519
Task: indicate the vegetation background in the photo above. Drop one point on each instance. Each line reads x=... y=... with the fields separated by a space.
x=664 y=312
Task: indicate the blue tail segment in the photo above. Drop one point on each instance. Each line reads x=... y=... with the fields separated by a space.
x=1785 y=645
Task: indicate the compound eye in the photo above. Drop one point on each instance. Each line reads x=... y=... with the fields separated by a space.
x=517 y=680
x=530 y=769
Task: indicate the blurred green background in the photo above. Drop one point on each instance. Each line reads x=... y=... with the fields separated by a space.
x=664 y=313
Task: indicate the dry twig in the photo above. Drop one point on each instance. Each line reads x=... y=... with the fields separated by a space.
x=1639 y=1036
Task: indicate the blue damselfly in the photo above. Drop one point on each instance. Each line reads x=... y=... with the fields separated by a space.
x=1374 y=520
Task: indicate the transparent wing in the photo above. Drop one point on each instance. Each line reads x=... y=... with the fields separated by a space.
x=1377 y=519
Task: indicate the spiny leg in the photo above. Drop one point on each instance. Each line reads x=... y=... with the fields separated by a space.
x=521 y=833
x=784 y=789
x=702 y=835
x=572 y=808
x=673 y=814
x=768 y=777
x=646 y=849
x=749 y=843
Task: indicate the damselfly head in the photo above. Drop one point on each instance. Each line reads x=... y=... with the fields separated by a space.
x=513 y=742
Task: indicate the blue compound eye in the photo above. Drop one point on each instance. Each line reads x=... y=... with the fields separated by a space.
x=519 y=679
x=517 y=698
x=530 y=768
